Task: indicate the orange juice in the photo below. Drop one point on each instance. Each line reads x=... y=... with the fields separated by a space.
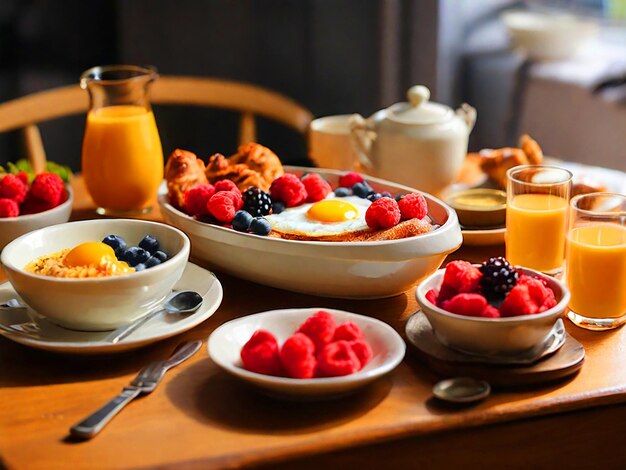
x=596 y=270
x=535 y=231
x=122 y=160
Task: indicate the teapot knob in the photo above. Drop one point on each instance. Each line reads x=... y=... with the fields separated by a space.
x=417 y=95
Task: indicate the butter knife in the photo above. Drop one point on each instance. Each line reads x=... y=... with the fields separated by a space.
x=145 y=382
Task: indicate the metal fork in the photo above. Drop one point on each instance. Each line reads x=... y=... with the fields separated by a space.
x=145 y=382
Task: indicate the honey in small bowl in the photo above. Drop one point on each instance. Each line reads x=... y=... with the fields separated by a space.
x=479 y=207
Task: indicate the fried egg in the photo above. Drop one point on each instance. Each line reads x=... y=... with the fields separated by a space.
x=330 y=216
x=94 y=254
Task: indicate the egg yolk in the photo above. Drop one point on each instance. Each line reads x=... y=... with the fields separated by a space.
x=332 y=210
x=90 y=254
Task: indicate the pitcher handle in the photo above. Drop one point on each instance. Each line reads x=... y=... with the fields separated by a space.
x=362 y=136
x=468 y=114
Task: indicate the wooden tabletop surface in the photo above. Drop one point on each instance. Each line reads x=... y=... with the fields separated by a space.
x=201 y=417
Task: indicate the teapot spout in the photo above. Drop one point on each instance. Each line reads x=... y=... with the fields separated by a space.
x=468 y=114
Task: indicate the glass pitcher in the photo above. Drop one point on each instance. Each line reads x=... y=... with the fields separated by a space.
x=122 y=158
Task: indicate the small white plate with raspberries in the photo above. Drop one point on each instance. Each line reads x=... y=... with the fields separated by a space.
x=311 y=352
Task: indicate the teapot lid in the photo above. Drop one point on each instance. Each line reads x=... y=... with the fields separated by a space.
x=419 y=110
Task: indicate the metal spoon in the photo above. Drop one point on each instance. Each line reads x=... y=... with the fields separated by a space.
x=183 y=302
x=461 y=390
x=12 y=303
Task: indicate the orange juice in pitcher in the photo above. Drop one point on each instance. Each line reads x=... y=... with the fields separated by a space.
x=122 y=158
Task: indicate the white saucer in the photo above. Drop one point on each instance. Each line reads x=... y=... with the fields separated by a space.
x=482 y=237
x=52 y=337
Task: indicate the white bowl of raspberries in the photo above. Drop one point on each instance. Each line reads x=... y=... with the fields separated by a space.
x=306 y=352
x=492 y=308
x=26 y=207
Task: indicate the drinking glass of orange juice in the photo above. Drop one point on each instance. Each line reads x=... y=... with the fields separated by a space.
x=595 y=260
x=536 y=216
x=122 y=158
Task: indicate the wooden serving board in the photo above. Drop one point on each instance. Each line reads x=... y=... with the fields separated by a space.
x=444 y=361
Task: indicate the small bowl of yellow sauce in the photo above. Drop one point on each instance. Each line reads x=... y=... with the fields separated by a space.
x=479 y=207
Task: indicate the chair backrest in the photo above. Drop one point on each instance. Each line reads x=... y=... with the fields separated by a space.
x=25 y=112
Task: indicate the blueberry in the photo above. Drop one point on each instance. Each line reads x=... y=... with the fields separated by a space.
x=362 y=189
x=260 y=226
x=278 y=207
x=160 y=255
x=140 y=267
x=135 y=255
x=115 y=242
x=343 y=192
x=386 y=194
x=242 y=220
x=149 y=243
x=152 y=261
x=374 y=196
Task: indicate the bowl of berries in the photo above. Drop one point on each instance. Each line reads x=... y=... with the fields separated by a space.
x=96 y=275
x=317 y=231
x=26 y=206
x=492 y=308
x=306 y=352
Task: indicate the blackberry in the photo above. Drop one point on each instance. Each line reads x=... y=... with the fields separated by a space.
x=256 y=202
x=499 y=277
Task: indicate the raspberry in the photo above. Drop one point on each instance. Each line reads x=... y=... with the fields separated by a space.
x=348 y=331
x=317 y=188
x=490 y=312
x=320 y=327
x=298 y=356
x=260 y=354
x=224 y=205
x=471 y=305
x=196 y=199
x=35 y=206
x=226 y=185
x=9 y=208
x=540 y=294
x=363 y=351
x=288 y=189
x=432 y=295
x=12 y=187
x=336 y=359
x=413 y=206
x=350 y=179
x=518 y=302
x=460 y=277
x=47 y=187
x=23 y=176
x=383 y=213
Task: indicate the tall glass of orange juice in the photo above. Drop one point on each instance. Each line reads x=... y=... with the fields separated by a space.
x=596 y=260
x=122 y=158
x=536 y=216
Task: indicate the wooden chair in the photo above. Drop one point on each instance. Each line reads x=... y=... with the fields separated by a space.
x=25 y=112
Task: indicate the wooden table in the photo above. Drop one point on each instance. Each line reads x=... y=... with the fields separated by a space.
x=200 y=417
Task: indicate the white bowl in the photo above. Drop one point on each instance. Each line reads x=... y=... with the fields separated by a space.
x=225 y=345
x=548 y=36
x=94 y=304
x=13 y=227
x=491 y=336
x=331 y=269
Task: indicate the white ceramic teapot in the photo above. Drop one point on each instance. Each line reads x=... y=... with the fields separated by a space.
x=420 y=144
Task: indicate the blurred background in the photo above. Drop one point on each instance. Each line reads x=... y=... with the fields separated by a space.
x=337 y=57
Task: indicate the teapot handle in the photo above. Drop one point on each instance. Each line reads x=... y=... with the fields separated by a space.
x=468 y=114
x=362 y=136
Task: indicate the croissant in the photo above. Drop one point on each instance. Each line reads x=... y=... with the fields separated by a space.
x=252 y=165
x=182 y=171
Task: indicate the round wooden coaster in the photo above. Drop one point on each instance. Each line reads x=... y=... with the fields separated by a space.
x=447 y=362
